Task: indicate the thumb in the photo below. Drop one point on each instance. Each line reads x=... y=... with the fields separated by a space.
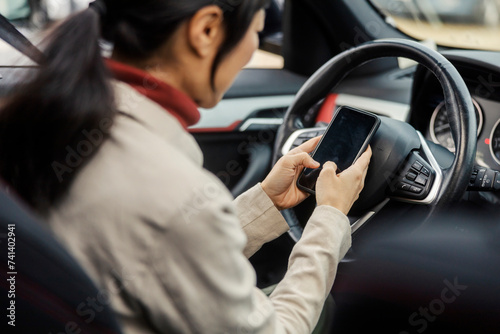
x=330 y=167
x=304 y=159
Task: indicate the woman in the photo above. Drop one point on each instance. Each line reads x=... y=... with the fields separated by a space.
x=109 y=163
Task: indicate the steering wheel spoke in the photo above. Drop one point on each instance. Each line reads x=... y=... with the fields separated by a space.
x=299 y=137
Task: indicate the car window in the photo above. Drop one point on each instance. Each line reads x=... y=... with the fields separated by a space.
x=30 y=18
x=15 y=9
x=18 y=12
x=53 y=10
x=468 y=24
x=264 y=59
x=271 y=39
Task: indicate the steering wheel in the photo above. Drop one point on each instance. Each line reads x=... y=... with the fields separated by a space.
x=403 y=167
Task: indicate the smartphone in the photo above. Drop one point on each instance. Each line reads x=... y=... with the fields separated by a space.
x=346 y=138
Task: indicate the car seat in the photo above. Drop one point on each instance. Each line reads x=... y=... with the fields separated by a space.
x=43 y=289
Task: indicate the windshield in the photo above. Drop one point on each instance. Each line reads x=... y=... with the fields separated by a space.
x=469 y=24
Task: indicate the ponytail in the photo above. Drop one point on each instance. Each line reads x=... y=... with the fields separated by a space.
x=57 y=120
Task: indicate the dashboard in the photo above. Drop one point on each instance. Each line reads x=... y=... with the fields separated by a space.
x=415 y=95
x=481 y=73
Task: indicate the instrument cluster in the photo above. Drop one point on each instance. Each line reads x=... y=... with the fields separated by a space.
x=488 y=130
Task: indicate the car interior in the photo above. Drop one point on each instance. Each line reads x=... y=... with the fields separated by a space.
x=424 y=255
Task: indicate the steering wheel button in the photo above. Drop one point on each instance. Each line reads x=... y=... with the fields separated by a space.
x=311 y=134
x=298 y=142
x=421 y=179
x=417 y=166
x=415 y=190
x=404 y=186
x=411 y=176
x=425 y=171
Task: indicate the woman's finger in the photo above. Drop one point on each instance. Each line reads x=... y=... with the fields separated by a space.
x=302 y=159
x=366 y=157
x=307 y=147
x=330 y=167
x=364 y=160
x=356 y=174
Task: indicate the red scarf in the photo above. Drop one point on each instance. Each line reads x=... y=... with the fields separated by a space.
x=174 y=101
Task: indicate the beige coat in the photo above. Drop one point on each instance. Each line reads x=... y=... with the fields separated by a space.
x=168 y=245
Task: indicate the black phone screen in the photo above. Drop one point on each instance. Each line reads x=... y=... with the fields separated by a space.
x=344 y=141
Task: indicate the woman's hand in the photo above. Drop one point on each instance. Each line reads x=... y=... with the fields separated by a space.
x=280 y=184
x=342 y=190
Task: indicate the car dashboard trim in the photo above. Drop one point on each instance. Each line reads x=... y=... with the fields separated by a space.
x=394 y=110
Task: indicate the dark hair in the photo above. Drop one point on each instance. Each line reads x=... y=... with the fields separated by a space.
x=56 y=121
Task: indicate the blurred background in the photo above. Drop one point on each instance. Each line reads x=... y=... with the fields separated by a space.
x=468 y=24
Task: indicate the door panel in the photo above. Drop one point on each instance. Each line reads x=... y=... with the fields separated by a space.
x=238 y=159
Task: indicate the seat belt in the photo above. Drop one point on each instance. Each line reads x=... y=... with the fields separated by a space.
x=18 y=41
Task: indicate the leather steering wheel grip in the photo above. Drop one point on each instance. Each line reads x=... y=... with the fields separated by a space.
x=456 y=94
